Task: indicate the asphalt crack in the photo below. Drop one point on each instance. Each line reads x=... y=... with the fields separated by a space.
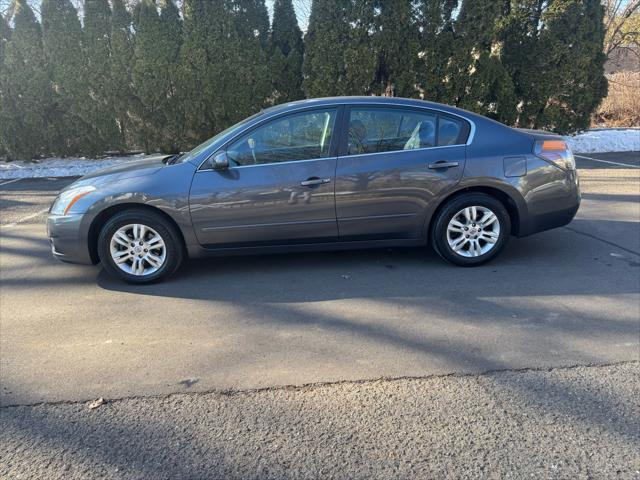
x=315 y=385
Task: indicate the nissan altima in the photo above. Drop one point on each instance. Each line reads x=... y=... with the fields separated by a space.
x=333 y=173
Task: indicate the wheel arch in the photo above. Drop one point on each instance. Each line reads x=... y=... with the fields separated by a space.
x=513 y=209
x=104 y=215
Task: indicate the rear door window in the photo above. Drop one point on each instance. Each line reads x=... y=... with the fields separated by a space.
x=376 y=130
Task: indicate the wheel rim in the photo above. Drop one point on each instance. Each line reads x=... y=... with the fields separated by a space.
x=473 y=231
x=138 y=249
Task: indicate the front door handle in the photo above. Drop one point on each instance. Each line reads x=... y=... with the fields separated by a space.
x=315 y=181
x=442 y=164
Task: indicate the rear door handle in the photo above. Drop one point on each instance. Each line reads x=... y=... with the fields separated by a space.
x=314 y=181
x=442 y=164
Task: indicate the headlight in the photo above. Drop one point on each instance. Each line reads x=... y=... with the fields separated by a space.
x=67 y=199
x=556 y=152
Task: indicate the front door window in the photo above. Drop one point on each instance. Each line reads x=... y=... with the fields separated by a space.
x=300 y=136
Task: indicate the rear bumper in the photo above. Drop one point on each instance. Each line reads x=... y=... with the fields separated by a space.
x=547 y=221
x=552 y=205
x=68 y=244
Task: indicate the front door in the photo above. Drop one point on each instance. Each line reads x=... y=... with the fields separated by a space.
x=278 y=189
x=394 y=162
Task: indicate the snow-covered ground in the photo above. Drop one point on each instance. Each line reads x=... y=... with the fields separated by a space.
x=592 y=141
x=61 y=167
x=606 y=140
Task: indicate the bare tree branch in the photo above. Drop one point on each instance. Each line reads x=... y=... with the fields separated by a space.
x=620 y=29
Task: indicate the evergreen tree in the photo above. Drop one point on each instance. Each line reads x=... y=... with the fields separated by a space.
x=246 y=77
x=287 y=53
x=121 y=60
x=157 y=47
x=148 y=78
x=5 y=35
x=553 y=52
x=224 y=70
x=435 y=21
x=25 y=89
x=327 y=36
x=100 y=112
x=250 y=19
x=397 y=48
x=360 y=47
x=573 y=37
x=171 y=28
x=62 y=37
x=519 y=33
x=477 y=80
x=206 y=23
x=490 y=90
x=582 y=59
x=358 y=56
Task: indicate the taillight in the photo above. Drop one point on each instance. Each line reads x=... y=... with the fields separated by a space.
x=556 y=152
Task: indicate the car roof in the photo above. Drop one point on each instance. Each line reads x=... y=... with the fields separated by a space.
x=369 y=100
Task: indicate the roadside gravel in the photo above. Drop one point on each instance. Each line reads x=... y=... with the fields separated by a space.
x=576 y=422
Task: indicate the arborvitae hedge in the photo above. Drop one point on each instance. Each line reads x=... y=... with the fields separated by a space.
x=100 y=112
x=286 y=52
x=327 y=44
x=62 y=41
x=121 y=58
x=5 y=112
x=155 y=78
x=27 y=106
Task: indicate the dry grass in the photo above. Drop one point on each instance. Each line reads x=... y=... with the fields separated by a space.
x=621 y=107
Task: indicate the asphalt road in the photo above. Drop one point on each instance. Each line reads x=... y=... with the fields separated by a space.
x=564 y=298
x=575 y=423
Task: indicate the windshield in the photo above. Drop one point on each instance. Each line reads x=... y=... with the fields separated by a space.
x=203 y=146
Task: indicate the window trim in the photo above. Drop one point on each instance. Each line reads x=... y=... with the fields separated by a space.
x=333 y=146
x=344 y=138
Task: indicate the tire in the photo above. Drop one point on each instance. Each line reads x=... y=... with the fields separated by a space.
x=146 y=260
x=477 y=244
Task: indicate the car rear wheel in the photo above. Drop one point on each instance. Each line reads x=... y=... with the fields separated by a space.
x=471 y=229
x=139 y=246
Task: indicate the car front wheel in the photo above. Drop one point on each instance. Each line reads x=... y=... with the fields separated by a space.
x=139 y=246
x=471 y=229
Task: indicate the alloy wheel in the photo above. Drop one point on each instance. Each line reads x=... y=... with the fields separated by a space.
x=473 y=231
x=138 y=249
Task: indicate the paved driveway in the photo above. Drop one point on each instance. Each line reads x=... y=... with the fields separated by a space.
x=561 y=298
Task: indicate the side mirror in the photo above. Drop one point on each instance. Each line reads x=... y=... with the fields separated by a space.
x=220 y=161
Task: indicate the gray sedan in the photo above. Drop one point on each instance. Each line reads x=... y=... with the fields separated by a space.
x=334 y=173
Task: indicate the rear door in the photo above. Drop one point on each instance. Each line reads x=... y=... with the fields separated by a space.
x=394 y=161
x=278 y=189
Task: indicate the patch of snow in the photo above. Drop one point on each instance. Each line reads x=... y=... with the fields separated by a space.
x=605 y=140
x=62 y=167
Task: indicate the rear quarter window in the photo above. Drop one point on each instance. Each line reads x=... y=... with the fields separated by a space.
x=452 y=130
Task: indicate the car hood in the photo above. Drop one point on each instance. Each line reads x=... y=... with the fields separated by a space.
x=129 y=169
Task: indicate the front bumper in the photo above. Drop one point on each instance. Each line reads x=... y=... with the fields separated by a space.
x=67 y=240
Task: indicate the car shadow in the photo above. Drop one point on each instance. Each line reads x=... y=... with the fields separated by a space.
x=523 y=269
